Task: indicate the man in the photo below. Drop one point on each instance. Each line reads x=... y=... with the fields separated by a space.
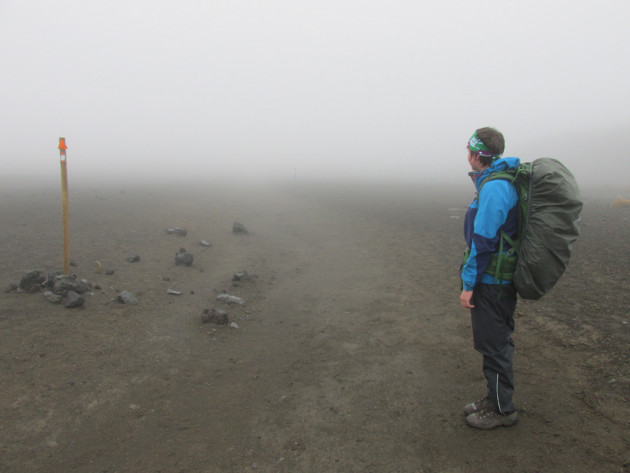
x=490 y=297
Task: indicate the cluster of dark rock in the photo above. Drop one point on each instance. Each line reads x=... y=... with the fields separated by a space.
x=183 y=257
x=55 y=287
x=58 y=287
x=220 y=316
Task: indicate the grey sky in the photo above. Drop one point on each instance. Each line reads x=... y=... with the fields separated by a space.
x=340 y=88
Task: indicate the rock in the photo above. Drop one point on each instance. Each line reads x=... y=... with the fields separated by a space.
x=85 y=283
x=62 y=284
x=127 y=297
x=243 y=276
x=205 y=243
x=179 y=231
x=133 y=258
x=228 y=299
x=109 y=272
x=233 y=325
x=52 y=297
x=32 y=280
x=217 y=316
x=238 y=227
x=52 y=277
x=183 y=258
x=74 y=300
x=173 y=292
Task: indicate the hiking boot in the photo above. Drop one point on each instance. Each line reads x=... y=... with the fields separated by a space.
x=489 y=419
x=477 y=406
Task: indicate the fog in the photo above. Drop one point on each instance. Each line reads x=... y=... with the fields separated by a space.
x=301 y=90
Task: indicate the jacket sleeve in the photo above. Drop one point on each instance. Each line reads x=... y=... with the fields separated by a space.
x=496 y=199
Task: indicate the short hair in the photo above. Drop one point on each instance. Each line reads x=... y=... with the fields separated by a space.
x=494 y=141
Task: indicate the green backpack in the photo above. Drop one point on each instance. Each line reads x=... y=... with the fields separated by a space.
x=549 y=210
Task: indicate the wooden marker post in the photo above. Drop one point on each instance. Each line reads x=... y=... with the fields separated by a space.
x=64 y=203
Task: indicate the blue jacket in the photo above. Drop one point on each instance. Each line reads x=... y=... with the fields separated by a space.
x=490 y=213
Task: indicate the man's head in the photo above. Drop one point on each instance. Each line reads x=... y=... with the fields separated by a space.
x=485 y=145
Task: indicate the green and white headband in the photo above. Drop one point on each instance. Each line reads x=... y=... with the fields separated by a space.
x=476 y=146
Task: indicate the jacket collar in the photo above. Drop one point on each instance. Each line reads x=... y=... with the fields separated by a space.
x=498 y=165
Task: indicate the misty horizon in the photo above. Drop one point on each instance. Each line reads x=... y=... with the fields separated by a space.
x=288 y=91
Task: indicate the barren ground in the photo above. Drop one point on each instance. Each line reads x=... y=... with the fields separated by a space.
x=351 y=353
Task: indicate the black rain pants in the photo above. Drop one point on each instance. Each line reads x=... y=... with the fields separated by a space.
x=493 y=325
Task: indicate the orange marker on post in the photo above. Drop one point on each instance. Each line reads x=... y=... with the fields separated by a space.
x=64 y=201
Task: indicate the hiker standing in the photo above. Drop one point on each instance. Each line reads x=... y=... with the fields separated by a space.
x=488 y=292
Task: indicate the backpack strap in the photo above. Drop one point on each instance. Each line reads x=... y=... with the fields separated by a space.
x=503 y=264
